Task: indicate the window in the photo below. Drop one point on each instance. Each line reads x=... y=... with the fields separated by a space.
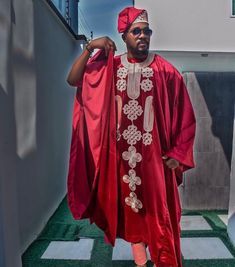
x=233 y=8
x=60 y=5
x=67 y=11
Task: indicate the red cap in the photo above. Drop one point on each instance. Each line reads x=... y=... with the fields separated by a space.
x=126 y=17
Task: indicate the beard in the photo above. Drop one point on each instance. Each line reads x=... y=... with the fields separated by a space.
x=142 y=52
x=138 y=51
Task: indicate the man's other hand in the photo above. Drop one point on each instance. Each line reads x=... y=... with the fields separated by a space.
x=170 y=162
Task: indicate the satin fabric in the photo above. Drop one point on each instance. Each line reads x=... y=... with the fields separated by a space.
x=92 y=181
x=95 y=189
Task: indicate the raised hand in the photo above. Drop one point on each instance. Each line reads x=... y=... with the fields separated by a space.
x=78 y=67
x=102 y=43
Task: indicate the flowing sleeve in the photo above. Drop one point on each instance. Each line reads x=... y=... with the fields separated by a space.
x=90 y=66
x=183 y=124
x=92 y=181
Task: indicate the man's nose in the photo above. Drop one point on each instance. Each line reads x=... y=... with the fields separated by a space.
x=143 y=35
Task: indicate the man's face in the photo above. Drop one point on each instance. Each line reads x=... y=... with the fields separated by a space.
x=137 y=39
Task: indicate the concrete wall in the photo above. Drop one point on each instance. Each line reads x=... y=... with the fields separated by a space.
x=208 y=185
x=35 y=121
x=9 y=229
x=189 y=25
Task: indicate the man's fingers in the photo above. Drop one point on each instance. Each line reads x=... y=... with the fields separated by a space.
x=172 y=163
x=109 y=46
x=111 y=43
x=106 y=48
x=103 y=43
x=112 y=46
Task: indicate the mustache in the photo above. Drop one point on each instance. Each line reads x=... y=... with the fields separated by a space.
x=142 y=42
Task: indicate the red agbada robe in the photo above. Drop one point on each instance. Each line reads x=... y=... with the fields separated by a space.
x=96 y=189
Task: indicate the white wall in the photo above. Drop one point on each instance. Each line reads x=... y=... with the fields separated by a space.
x=189 y=25
x=196 y=61
x=35 y=121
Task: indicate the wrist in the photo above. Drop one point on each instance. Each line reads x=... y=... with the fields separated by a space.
x=89 y=48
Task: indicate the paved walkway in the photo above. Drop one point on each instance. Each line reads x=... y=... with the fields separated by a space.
x=204 y=242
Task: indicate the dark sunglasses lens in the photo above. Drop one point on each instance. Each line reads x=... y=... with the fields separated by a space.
x=148 y=31
x=136 y=31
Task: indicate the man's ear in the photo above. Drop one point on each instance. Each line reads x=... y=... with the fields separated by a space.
x=124 y=37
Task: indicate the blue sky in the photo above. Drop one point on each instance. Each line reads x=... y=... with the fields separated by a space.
x=101 y=16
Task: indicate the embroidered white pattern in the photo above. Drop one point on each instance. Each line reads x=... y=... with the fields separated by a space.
x=134 y=202
x=143 y=17
x=137 y=77
x=132 y=180
x=132 y=156
x=148 y=114
x=122 y=73
x=147 y=72
x=147 y=138
x=148 y=121
x=143 y=64
x=131 y=134
x=121 y=85
x=119 y=115
x=146 y=85
x=134 y=74
x=133 y=81
x=132 y=110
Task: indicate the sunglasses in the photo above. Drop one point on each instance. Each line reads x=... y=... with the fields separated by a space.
x=137 y=31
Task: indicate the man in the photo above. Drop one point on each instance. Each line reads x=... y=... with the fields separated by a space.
x=133 y=134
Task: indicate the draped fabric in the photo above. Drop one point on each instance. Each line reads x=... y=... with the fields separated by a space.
x=108 y=164
x=92 y=181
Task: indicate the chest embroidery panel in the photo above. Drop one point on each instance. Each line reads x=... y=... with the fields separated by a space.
x=134 y=79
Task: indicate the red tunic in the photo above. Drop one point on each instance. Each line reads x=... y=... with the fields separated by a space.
x=117 y=177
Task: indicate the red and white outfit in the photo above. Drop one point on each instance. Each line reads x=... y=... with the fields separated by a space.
x=127 y=115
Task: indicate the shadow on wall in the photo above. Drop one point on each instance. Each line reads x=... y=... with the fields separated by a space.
x=44 y=171
x=9 y=241
x=218 y=91
x=212 y=95
x=35 y=117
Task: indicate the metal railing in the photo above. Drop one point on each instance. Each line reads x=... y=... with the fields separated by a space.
x=67 y=11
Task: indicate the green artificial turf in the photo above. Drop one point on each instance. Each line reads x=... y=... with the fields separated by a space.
x=62 y=226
